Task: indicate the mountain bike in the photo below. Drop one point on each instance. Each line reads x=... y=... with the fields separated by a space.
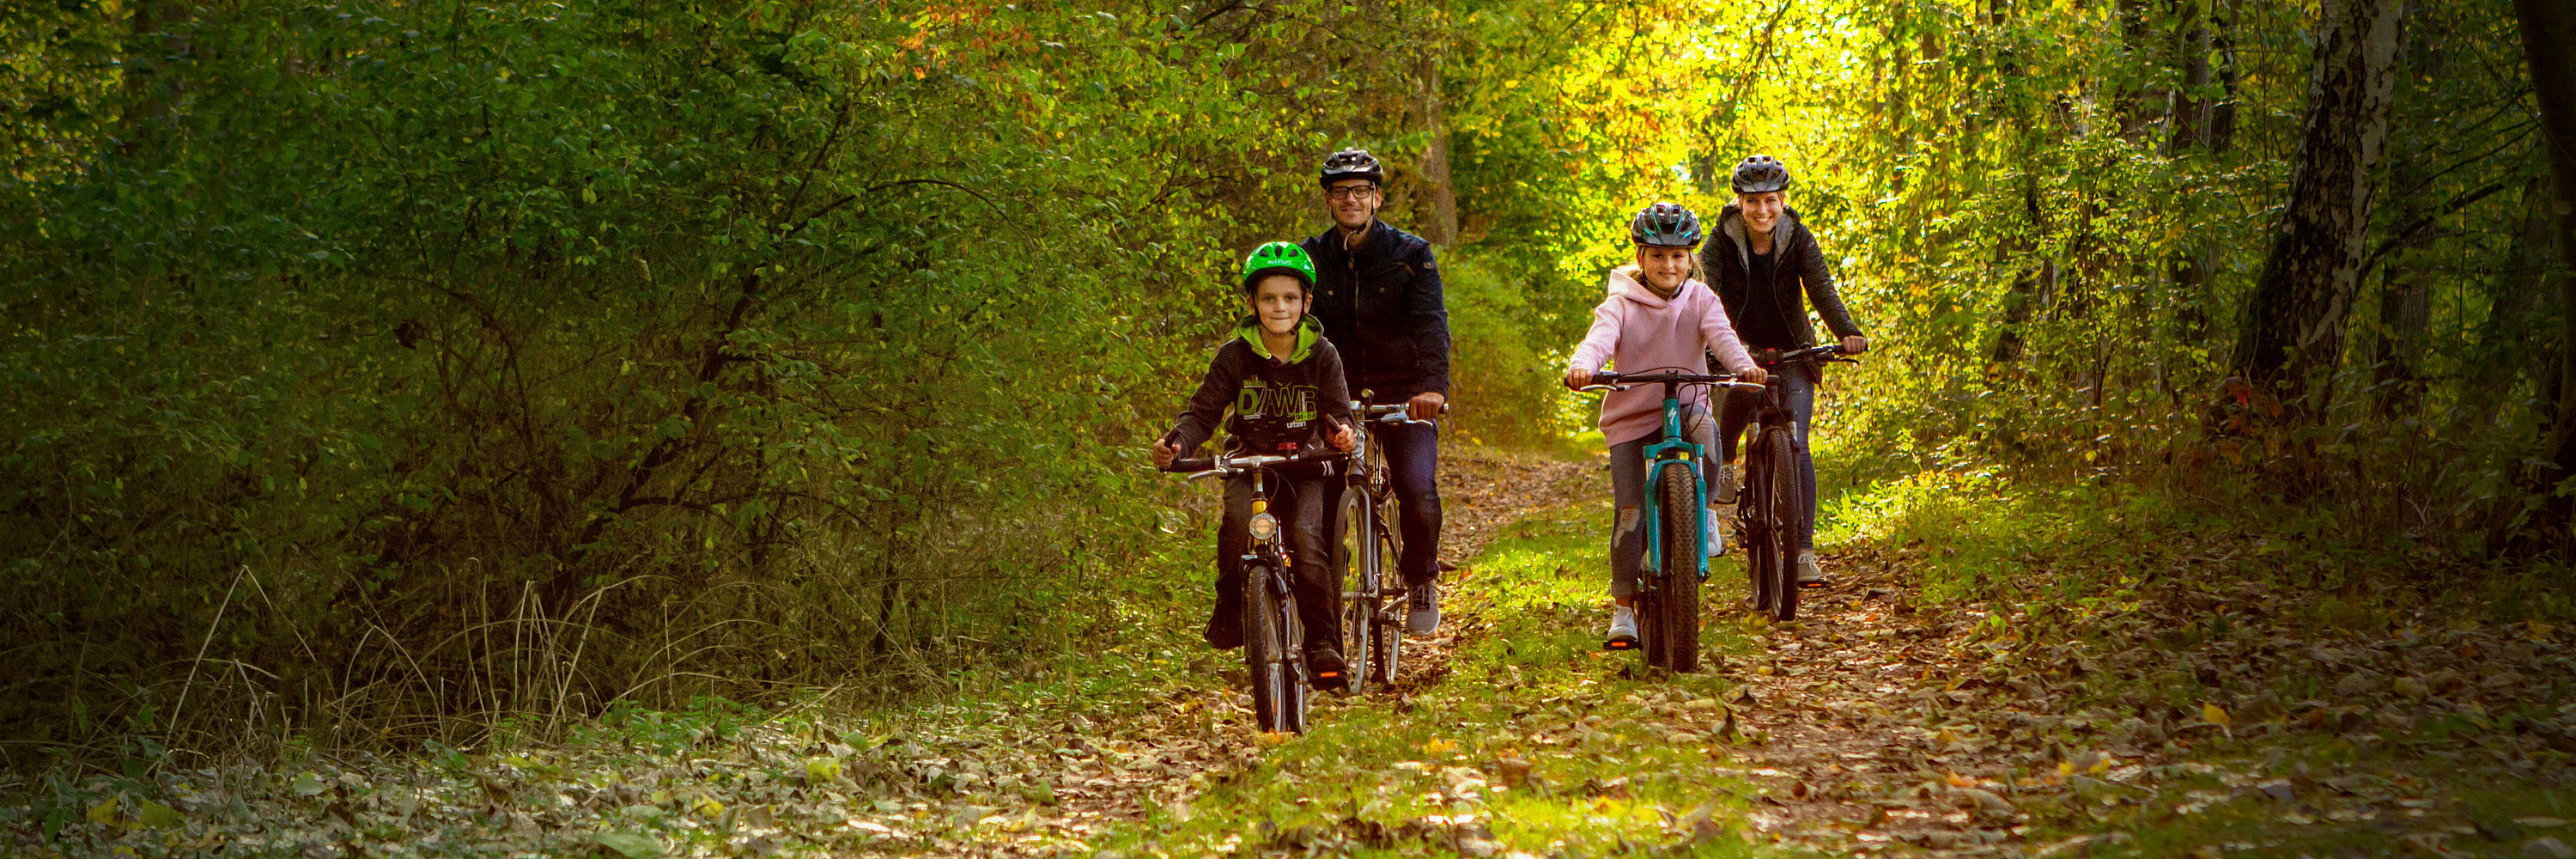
x=1771 y=519
x=1272 y=636
x=1372 y=630
x=1675 y=561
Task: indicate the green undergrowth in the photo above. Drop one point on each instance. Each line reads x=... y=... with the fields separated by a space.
x=1535 y=740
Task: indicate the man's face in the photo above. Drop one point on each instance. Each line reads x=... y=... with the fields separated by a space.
x=1353 y=202
x=1280 y=300
x=1666 y=268
x=1762 y=208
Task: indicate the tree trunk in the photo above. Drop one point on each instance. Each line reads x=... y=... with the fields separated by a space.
x=2548 y=35
x=2208 y=125
x=1440 y=220
x=2294 y=322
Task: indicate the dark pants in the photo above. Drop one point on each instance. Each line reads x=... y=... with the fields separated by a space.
x=1628 y=497
x=1797 y=382
x=1299 y=505
x=1413 y=467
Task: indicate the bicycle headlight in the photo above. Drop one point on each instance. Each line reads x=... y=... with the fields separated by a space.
x=1264 y=526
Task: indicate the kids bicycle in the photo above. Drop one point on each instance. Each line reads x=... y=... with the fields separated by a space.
x=1271 y=632
x=1675 y=561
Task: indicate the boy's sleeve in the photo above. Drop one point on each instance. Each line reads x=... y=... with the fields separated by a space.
x=1198 y=420
x=1718 y=332
x=1820 y=288
x=1602 y=342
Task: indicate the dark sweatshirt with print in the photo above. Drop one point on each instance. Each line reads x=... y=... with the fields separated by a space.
x=1280 y=405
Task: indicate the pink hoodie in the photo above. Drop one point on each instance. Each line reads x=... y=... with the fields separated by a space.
x=1645 y=333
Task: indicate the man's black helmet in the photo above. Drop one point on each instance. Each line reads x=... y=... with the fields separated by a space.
x=1666 y=225
x=1351 y=164
x=1760 y=173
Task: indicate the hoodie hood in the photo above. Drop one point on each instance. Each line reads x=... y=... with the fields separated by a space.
x=1730 y=220
x=1308 y=331
x=1625 y=283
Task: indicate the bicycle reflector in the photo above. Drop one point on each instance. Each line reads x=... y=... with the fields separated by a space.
x=1264 y=526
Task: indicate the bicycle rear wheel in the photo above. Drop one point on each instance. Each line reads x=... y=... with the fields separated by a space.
x=1389 y=638
x=1677 y=584
x=1783 y=511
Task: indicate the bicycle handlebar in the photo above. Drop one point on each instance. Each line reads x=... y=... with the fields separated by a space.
x=1392 y=413
x=1209 y=466
x=1605 y=381
x=1831 y=353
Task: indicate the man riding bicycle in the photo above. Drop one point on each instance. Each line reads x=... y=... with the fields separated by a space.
x=1378 y=295
x=1768 y=267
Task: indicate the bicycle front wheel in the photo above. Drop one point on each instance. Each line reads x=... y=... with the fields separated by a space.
x=1265 y=653
x=1677 y=584
x=1360 y=578
x=1784 y=514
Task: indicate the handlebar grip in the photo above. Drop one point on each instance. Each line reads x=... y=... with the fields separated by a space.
x=1190 y=464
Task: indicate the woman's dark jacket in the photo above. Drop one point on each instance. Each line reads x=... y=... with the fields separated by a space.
x=1767 y=299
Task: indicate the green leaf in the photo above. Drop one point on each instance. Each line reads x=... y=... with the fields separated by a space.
x=157 y=816
x=634 y=845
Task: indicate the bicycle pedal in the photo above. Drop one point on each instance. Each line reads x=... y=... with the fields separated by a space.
x=1619 y=644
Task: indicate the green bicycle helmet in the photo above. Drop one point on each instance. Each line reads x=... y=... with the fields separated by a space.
x=1278 y=258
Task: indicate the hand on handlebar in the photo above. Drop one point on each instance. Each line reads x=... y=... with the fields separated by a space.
x=1342 y=438
x=1855 y=344
x=1165 y=451
x=1425 y=406
x=1755 y=375
x=1577 y=377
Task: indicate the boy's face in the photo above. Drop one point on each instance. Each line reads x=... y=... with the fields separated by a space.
x=1666 y=268
x=1280 y=300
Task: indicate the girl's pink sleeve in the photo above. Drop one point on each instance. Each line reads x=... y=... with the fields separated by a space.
x=1719 y=333
x=1602 y=342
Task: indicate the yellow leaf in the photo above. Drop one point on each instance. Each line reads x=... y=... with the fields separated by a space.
x=1439 y=746
x=2065 y=767
x=707 y=806
x=2215 y=714
x=822 y=769
x=1945 y=737
x=2101 y=766
x=156 y=815
x=104 y=813
x=2542 y=630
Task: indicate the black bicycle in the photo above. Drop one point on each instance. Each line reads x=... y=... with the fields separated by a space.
x=1372 y=631
x=1272 y=634
x=1770 y=518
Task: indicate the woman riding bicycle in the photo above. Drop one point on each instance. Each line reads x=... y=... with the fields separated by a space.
x=1656 y=316
x=1768 y=268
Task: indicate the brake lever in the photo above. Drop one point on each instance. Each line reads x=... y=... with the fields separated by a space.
x=1598 y=388
x=1213 y=472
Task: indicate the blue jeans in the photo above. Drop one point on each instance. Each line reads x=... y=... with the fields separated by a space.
x=1412 y=465
x=1797 y=382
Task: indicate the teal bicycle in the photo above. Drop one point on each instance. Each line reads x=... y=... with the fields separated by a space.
x=1675 y=558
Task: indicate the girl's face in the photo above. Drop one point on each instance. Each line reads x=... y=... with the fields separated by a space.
x=1762 y=209
x=1665 y=267
x=1279 y=300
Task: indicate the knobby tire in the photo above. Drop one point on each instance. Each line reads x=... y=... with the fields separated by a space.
x=1275 y=688
x=1786 y=513
x=1677 y=585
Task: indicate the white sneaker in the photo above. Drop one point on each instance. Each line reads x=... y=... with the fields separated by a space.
x=1810 y=575
x=1623 y=625
x=1713 y=539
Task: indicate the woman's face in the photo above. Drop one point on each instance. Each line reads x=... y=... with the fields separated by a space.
x=1762 y=209
x=1664 y=267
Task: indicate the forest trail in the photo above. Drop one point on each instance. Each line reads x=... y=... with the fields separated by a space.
x=1882 y=720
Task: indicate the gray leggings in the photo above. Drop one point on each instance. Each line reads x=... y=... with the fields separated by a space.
x=1628 y=495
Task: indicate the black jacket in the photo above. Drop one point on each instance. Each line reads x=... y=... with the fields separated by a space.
x=1773 y=315
x=1382 y=304
x=1279 y=406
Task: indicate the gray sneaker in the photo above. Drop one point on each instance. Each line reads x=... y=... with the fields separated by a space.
x=1724 y=491
x=1422 y=608
x=1810 y=575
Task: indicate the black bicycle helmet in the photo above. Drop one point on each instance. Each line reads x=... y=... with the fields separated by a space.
x=1760 y=173
x=1351 y=164
x=1666 y=225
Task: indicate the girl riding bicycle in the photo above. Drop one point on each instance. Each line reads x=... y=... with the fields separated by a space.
x=1656 y=316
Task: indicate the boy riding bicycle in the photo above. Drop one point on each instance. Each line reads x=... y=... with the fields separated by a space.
x=1656 y=317
x=1284 y=382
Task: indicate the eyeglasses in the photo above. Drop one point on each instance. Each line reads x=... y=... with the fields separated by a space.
x=1346 y=192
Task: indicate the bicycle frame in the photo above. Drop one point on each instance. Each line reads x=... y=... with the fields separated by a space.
x=1675 y=451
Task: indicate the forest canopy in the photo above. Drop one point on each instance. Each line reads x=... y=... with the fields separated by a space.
x=376 y=364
